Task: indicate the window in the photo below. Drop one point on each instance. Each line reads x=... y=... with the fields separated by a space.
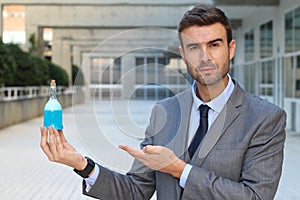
x=159 y=77
x=14 y=24
x=297 y=29
x=292 y=76
x=267 y=78
x=289 y=71
x=250 y=77
x=292 y=31
x=105 y=77
x=266 y=40
x=249 y=45
x=298 y=85
x=105 y=71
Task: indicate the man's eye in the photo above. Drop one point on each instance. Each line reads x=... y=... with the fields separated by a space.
x=214 y=44
x=193 y=48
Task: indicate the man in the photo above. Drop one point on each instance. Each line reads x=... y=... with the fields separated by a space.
x=240 y=156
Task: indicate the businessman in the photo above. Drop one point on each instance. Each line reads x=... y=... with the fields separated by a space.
x=213 y=141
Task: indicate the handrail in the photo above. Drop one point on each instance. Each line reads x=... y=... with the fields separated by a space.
x=15 y=93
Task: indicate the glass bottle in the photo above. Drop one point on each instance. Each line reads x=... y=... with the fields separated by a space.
x=53 y=110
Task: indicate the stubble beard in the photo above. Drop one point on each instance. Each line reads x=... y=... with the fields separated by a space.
x=209 y=80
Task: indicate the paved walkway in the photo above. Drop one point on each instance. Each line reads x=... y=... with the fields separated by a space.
x=93 y=128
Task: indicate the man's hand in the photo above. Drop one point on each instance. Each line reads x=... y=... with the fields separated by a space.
x=57 y=149
x=158 y=158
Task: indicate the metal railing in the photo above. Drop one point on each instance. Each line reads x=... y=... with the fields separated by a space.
x=15 y=93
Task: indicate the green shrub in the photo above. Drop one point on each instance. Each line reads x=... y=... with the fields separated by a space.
x=31 y=70
x=57 y=73
x=7 y=65
x=42 y=70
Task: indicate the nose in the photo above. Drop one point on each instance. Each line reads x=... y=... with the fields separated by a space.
x=205 y=55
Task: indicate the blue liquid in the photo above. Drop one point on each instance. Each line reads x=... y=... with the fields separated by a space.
x=53 y=114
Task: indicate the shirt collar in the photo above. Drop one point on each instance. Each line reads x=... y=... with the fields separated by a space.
x=217 y=103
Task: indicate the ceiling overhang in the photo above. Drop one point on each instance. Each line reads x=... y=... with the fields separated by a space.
x=247 y=2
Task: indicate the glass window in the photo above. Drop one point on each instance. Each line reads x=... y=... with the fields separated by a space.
x=292 y=31
x=14 y=24
x=288 y=71
x=292 y=76
x=139 y=70
x=105 y=71
x=116 y=71
x=159 y=77
x=249 y=45
x=249 y=77
x=289 y=32
x=297 y=76
x=162 y=75
x=297 y=29
x=266 y=78
x=151 y=75
x=266 y=40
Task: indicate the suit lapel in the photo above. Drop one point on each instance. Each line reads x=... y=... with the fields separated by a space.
x=228 y=114
x=180 y=141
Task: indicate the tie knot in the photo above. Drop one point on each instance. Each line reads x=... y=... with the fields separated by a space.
x=204 y=110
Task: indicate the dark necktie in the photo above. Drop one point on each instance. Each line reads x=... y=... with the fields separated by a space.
x=201 y=131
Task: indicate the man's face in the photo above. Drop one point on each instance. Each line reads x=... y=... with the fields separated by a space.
x=206 y=53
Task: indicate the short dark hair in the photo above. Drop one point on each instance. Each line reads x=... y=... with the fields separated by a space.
x=203 y=15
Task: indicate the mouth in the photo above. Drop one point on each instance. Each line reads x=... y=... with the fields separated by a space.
x=207 y=69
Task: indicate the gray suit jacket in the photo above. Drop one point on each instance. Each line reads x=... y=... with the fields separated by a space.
x=240 y=157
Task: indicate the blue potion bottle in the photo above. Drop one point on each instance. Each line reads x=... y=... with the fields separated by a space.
x=53 y=110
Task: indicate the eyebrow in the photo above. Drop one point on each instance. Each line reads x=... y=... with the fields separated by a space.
x=216 y=40
x=209 y=42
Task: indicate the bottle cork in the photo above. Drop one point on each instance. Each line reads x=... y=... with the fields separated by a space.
x=53 y=83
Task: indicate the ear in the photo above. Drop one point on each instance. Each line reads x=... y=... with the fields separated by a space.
x=232 y=46
x=181 y=50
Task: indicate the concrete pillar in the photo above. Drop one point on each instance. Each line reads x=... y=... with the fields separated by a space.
x=127 y=76
x=66 y=60
x=57 y=48
x=86 y=70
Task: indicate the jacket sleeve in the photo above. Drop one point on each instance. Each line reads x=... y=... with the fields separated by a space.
x=137 y=184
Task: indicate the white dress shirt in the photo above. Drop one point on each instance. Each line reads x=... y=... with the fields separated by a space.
x=216 y=106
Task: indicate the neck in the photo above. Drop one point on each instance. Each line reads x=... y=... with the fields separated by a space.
x=208 y=92
x=52 y=92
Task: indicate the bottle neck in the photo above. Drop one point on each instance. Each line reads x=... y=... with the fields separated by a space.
x=52 y=92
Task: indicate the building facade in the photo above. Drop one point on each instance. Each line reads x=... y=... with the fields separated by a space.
x=267 y=62
x=129 y=49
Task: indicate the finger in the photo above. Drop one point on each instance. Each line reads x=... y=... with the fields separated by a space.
x=52 y=142
x=132 y=151
x=124 y=147
x=59 y=145
x=62 y=136
x=44 y=143
x=64 y=141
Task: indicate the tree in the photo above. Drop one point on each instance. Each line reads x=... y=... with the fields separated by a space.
x=7 y=65
x=57 y=73
x=19 y=68
x=31 y=70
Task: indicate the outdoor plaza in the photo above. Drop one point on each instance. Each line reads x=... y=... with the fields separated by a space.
x=95 y=128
